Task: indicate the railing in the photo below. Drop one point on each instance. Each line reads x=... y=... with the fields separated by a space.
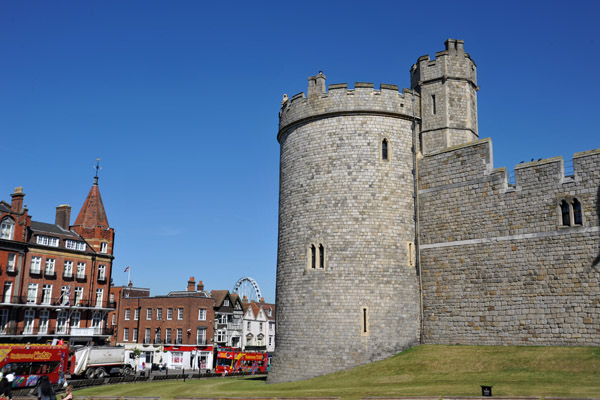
x=40 y=300
x=54 y=329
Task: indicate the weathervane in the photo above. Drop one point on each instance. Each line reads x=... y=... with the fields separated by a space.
x=97 y=166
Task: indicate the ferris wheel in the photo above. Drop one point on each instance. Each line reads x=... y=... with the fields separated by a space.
x=247 y=287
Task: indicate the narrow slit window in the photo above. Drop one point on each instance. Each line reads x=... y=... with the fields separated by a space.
x=577 y=212
x=321 y=256
x=313 y=253
x=433 y=105
x=566 y=217
x=384 y=149
x=364 y=321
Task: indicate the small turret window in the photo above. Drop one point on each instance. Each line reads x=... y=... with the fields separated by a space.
x=433 y=105
x=384 y=149
x=577 y=212
x=316 y=257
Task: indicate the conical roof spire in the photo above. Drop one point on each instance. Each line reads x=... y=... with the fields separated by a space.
x=92 y=212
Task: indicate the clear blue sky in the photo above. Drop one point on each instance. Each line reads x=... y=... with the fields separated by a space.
x=180 y=99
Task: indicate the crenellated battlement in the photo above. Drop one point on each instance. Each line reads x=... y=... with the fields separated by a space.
x=452 y=63
x=339 y=99
x=542 y=174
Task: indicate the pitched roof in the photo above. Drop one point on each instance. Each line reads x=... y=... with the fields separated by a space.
x=37 y=226
x=219 y=296
x=92 y=212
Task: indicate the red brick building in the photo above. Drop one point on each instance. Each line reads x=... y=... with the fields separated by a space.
x=176 y=329
x=55 y=277
x=117 y=293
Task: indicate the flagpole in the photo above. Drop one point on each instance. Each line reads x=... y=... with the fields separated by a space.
x=128 y=275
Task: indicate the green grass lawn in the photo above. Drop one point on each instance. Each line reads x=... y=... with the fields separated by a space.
x=428 y=370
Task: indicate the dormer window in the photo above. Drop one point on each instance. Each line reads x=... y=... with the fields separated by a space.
x=7 y=228
x=571 y=213
x=226 y=302
x=75 y=245
x=47 y=241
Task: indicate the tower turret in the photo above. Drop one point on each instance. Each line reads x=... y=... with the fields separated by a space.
x=448 y=89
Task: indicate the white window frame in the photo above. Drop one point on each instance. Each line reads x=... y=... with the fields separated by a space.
x=169 y=314
x=168 y=336
x=68 y=269
x=75 y=245
x=44 y=318
x=36 y=265
x=127 y=314
x=104 y=247
x=126 y=334
x=11 y=262
x=202 y=314
x=75 y=319
x=78 y=295
x=135 y=335
x=136 y=314
x=46 y=294
x=200 y=336
x=159 y=314
x=179 y=336
x=148 y=314
x=61 y=322
x=97 y=322
x=147 y=334
x=101 y=272
x=47 y=241
x=7 y=295
x=7 y=228
x=180 y=314
x=28 y=322
x=157 y=334
x=80 y=270
x=49 y=268
x=99 y=297
x=32 y=293
x=114 y=319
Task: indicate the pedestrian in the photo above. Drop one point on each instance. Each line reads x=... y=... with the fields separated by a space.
x=10 y=376
x=45 y=389
x=5 y=389
x=69 y=393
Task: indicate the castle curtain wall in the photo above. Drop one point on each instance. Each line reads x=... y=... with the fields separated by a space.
x=499 y=266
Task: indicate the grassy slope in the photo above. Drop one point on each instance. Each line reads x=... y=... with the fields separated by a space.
x=424 y=370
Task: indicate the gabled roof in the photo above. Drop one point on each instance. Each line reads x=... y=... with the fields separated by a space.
x=4 y=207
x=219 y=296
x=92 y=212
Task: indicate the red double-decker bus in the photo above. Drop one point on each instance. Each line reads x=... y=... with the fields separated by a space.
x=233 y=360
x=29 y=362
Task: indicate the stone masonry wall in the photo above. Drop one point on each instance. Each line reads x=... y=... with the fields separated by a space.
x=336 y=190
x=498 y=266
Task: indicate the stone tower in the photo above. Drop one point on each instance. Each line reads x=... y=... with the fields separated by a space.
x=347 y=290
x=448 y=89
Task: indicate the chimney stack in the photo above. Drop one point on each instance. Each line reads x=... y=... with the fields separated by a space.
x=16 y=204
x=63 y=216
x=191 y=284
x=200 y=287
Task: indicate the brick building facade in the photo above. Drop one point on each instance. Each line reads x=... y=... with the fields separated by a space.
x=55 y=277
x=176 y=329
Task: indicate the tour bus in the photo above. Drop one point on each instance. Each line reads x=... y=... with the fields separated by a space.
x=29 y=362
x=231 y=360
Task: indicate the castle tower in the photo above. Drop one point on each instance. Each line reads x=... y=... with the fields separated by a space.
x=347 y=290
x=448 y=89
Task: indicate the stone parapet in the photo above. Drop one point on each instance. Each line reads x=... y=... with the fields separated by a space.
x=339 y=100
